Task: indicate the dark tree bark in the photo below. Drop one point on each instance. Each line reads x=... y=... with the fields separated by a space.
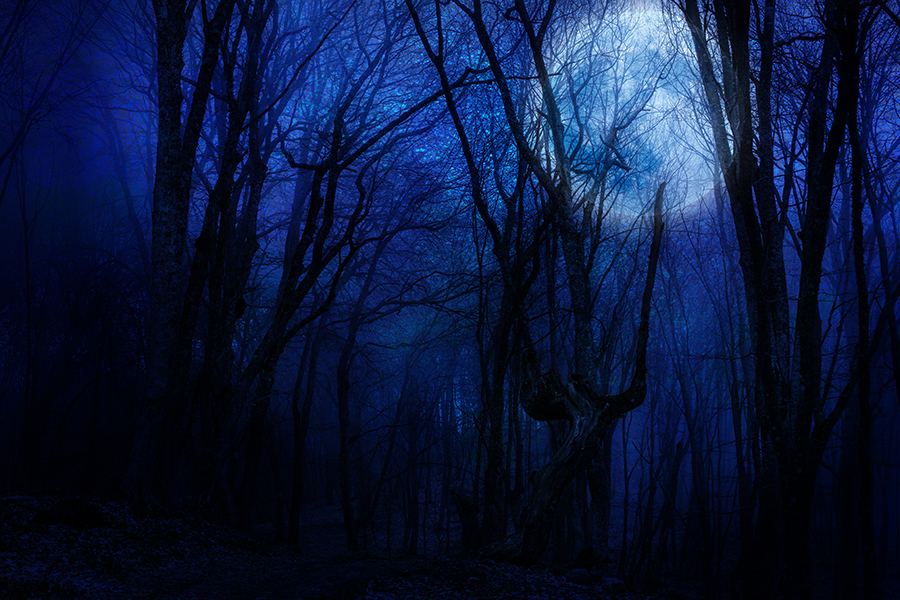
x=411 y=475
x=547 y=398
x=328 y=222
x=863 y=354
x=300 y=411
x=155 y=472
x=590 y=413
x=516 y=282
x=227 y=244
x=792 y=425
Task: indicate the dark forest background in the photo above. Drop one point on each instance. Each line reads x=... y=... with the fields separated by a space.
x=532 y=278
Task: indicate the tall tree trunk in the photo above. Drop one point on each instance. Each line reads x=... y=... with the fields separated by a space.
x=866 y=503
x=155 y=472
x=300 y=411
x=847 y=511
x=546 y=398
x=413 y=416
x=786 y=414
x=344 y=463
x=256 y=441
x=599 y=483
x=494 y=521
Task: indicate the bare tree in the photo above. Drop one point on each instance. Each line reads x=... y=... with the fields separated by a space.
x=156 y=465
x=545 y=397
x=797 y=413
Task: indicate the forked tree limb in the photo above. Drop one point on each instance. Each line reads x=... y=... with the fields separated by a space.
x=546 y=398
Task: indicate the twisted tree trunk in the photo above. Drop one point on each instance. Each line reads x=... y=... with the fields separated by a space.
x=547 y=398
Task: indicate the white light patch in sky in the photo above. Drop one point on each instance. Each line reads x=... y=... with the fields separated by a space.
x=626 y=91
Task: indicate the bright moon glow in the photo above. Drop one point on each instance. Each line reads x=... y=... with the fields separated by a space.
x=626 y=90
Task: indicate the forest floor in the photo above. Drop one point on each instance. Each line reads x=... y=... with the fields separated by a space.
x=54 y=547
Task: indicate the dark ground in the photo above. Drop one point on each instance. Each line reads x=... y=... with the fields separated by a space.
x=54 y=547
